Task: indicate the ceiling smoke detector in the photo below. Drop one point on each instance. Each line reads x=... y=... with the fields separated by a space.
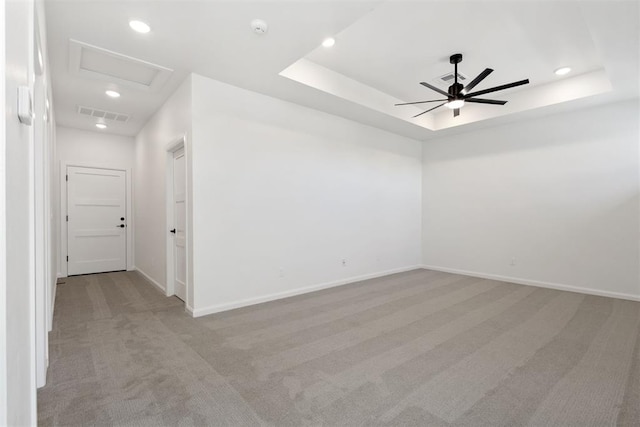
x=259 y=26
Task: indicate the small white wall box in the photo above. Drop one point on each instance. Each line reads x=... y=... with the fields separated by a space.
x=25 y=109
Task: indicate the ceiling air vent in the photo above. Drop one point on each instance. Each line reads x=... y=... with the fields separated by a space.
x=448 y=78
x=102 y=114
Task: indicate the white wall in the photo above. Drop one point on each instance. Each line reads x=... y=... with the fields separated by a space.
x=54 y=214
x=43 y=153
x=171 y=121
x=3 y=230
x=92 y=149
x=19 y=387
x=84 y=147
x=283 y=193
x=559 y=193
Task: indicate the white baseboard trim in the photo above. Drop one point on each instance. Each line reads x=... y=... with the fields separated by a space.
x=280 y=295
x=149 y=278
x=540 y=284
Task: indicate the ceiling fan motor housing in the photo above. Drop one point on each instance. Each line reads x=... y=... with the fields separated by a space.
x=454 y=90
x=456 y=58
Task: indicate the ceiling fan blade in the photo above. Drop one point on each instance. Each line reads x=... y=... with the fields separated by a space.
x=485 y=101
x=440 y=91
x=420 y=102
x=431 y=109
x=497 y=88
x=456 y=112
x=477 y=80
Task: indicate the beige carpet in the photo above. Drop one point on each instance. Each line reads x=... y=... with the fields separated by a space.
x=418 y=348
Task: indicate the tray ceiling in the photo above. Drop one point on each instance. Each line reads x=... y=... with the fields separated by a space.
x=382 y=51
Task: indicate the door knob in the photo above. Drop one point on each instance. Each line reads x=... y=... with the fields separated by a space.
x=121 y=218
x=120 y=226
x=172 y=231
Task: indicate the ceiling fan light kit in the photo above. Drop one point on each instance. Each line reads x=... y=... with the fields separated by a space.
x=458 y=94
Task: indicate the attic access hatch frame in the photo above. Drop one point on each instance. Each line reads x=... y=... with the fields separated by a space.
x=133 y=72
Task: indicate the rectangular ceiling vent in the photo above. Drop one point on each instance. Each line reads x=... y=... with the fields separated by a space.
x=448 y=79
x=95 y=62
x=102 y=114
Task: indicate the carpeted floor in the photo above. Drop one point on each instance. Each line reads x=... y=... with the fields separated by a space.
x=418 y=348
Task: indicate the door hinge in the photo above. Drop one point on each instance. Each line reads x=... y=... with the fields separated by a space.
x=67 y=218
x=67 y=177
x=67 y=258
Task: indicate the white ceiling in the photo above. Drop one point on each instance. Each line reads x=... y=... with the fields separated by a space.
x=383 y=50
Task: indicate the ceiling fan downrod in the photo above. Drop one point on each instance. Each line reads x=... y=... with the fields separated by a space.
x=456 y=88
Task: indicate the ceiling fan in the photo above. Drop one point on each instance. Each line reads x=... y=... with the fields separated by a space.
x=459 y=94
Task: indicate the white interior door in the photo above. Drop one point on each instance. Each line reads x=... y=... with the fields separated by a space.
x=96 y=221
x=179 y=231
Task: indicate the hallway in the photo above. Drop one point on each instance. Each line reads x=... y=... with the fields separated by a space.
x=118 y=356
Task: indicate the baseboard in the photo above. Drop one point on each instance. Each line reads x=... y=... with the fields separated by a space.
x=540 y=284
x=280 y=295
x=149 y=278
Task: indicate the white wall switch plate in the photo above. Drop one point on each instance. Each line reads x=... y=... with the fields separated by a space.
x=25 y=108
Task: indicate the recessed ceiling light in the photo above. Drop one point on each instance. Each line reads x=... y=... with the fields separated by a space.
x=112 y=94
x=458 y=103
x=328 y=42
x=139 y=26
x=101 y=126
x=562 y=71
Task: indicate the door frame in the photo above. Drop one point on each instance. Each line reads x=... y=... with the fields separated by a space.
x=171 y=148
x=63 y=210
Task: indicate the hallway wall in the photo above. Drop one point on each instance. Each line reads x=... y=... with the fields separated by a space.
x=24 y=179
x=95 y=148
x=170 y=122
x=92 y=149
x=3 y=231
x=20 y=310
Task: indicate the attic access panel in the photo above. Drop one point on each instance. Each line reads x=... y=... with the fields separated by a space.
x=96 y=62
